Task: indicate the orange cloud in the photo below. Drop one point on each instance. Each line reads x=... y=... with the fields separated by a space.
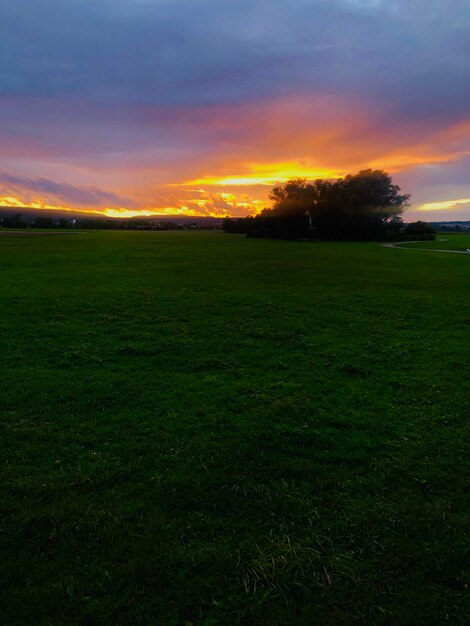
x=206 y=204
x=444 y=205
x=267 y=174
x=10 y=201
x=224 y=158
x=316 y=137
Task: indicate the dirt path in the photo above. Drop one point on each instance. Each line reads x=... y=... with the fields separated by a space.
x=400 y=245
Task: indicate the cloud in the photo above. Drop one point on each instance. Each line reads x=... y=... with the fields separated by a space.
x=42 y=189
x=43 y=193
x=445 y=205
x=183 y=52
x=430 y=183
x=131 y=96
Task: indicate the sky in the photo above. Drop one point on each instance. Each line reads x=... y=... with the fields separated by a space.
x=198 y=107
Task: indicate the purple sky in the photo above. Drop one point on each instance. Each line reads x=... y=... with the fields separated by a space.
x=201 y=106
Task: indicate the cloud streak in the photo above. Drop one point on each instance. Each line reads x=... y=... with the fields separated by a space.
x=35 y=190
x=444 y=205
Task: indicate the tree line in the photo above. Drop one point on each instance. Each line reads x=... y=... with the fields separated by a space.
x=18 y=221
x=363 y=206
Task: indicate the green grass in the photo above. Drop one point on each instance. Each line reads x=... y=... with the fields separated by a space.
x=443 y=241
x=204 y=428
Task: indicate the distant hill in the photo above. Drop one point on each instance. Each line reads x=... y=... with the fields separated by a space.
x=29 y=213
x=453 y=225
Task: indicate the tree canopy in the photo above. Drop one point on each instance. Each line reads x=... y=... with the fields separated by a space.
x=366 y=205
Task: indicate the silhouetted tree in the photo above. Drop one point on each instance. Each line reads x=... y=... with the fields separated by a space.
x=366 y=205
x=14 y=221
x=416 y=229
x=240 y=225
x=296 y=198
x=228 y=225
x=43 y=222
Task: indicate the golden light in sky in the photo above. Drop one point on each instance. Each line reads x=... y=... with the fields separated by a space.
x=102 y=211
x=442 y=206
x=267 y=174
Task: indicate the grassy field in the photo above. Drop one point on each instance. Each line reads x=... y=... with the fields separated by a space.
x=443 y=241
x=199 y=428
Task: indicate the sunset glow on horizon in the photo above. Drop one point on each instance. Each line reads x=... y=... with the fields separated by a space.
x=243 y=102
x=119 y=212
x=267 y=174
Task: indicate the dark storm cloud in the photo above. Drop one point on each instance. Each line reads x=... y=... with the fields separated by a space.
x=410 y=55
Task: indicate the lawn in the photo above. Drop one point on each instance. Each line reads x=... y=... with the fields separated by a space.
x=443 y=241
x=199 y=428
